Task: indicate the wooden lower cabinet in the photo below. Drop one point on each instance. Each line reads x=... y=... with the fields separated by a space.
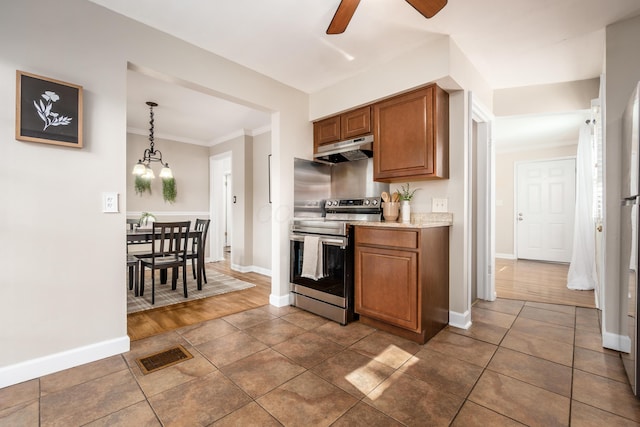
x=402 y=279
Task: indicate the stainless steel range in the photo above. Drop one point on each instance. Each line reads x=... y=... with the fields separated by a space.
x=327 y=243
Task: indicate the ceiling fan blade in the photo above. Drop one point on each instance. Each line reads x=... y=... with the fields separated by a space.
x=343 y=15
x=428 y=8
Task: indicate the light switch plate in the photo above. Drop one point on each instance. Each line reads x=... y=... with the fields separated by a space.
x=439 y=205
x=110 y=202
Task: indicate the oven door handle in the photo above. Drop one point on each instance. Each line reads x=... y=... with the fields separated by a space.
x=342 y=242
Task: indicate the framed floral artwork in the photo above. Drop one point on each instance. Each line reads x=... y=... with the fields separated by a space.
x=48 y=110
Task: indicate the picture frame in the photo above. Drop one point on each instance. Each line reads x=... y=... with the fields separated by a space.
x=48 y=111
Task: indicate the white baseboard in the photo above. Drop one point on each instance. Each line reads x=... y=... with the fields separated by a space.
x=616 y=342
x=250 y=269
x=34 y=368
x=260 y=270
x=241 y=268
x=460 y=320
x=281 y=301
x=506 y=256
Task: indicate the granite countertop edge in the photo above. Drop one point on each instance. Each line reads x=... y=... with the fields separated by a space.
x=430 y=224
x=418 y=220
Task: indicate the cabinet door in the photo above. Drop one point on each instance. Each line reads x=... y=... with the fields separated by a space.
x=356 y=123
x=386 y=286
x=411 y=136
x=326 y=131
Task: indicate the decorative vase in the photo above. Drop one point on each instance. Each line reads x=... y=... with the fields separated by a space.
x=405 y=209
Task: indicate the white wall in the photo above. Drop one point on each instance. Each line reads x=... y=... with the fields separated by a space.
x=241 y=149
x=621 y=75
x=71 y=309
x=549 y=98
x=261 y=204
x=439 y=61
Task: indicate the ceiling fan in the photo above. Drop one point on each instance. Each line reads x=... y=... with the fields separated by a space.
x=346 y=8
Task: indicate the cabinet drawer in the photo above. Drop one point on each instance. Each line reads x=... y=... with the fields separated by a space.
x=389 y=237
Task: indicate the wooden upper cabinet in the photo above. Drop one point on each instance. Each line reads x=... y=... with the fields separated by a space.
x=411 y=136
x=326 y=131
x=344 y=126
x=355 y=123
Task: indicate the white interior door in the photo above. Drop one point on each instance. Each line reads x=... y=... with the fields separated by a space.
x=545 y=208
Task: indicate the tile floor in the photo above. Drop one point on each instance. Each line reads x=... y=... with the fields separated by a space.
x=519 y=364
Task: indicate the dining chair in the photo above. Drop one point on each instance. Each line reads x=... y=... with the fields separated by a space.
x=132 y=223
x=197 y=243
x=133 y=265
x=168 y=250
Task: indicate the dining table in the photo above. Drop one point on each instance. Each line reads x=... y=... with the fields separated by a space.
x=144 y=235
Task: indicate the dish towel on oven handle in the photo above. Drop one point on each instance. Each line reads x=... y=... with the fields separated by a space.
x=312 y=267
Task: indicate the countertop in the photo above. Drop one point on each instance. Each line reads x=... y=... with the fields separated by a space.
x=418 y=220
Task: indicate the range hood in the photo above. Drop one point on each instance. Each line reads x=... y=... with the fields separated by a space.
x=346 y=151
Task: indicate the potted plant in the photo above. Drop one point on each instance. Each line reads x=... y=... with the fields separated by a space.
x=146 y=218
x=406 y=195
x=169 y=190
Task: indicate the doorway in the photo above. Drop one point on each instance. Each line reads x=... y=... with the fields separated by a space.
x=545 y=209
x=222 y=220
x=481 y=202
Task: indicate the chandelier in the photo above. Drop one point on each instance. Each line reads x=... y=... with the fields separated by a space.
x=143 y=167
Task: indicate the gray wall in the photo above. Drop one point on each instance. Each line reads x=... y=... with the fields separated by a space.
x=64 y=312
x=190 y=166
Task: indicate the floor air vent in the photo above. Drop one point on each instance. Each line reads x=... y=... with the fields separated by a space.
x=163 y=359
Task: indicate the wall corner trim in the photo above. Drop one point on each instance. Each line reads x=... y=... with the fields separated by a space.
x=34 y=368
x=460 y=320
x=616 y=342
x=280 y=300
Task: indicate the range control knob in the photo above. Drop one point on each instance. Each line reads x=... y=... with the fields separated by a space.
x=375 y=202
x=366 y=202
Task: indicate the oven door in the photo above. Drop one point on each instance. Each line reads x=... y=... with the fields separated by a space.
x=337 y=271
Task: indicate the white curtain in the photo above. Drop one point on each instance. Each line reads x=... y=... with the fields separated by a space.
x=582 y=271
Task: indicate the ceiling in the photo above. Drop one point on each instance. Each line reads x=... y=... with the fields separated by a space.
x=512 y=43
x=187 y=115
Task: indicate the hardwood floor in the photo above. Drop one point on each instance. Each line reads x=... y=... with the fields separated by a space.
x=515 y=279
x=539 y=282
x=151 y=322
